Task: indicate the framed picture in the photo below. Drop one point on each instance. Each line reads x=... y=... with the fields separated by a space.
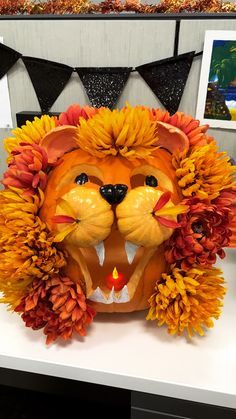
x=216 y=105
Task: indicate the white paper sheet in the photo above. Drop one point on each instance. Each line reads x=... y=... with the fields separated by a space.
x=5 y=106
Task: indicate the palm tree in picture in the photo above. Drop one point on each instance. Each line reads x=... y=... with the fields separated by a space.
x=221 y=94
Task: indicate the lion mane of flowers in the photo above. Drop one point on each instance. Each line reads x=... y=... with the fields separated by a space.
x=189 y=295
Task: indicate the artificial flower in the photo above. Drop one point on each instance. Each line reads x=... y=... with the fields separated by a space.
x=191 y=127
x=132 y=5
x=74 y=113
x=203 y=171
x=180 y=6
x=110 y=6
x=70 y=222
x=186 y=123
x=158 y=115
x=18 y=208
x=161 y=211
x=27 y=167
x=59 y=7
x=203 y=234
x=57 y=305
x=227 y=198
x=128 y=132
x=31 y=133
x=11 y=7
x=27 y=250
x=187 y=300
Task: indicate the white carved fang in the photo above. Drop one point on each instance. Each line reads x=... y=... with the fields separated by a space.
x=131 y=250
x=124 y=296
x=111 y=297
x=99 y=297
x=100 y=249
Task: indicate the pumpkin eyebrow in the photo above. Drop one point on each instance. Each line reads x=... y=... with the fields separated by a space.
x=166 y=149
x=148 y=170
x=93 y=172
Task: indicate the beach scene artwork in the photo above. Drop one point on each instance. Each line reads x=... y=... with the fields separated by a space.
x=217 y=89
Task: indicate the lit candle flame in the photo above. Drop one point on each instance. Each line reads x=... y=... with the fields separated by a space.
x=115 y=274
x=115 y=280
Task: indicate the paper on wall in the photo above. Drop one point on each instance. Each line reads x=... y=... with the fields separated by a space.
x=5 y=106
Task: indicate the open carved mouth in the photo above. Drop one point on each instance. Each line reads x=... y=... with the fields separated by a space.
x=114 y=252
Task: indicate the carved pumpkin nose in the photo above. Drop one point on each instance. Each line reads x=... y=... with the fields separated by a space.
x=113 y=194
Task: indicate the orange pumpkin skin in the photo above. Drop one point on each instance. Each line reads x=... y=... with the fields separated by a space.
x=83 y=263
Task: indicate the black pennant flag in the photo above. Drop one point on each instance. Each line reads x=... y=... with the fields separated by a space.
x=8 y=57
x=103 y=85
x=167 y=78
x=48 y=78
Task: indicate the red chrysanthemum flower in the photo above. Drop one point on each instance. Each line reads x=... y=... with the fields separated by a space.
x=228 y=198
x=203 y=234
x=27 y=168
x=59 y=306
x=73 y=114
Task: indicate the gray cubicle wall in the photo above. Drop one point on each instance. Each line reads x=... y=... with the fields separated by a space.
x=107 y=42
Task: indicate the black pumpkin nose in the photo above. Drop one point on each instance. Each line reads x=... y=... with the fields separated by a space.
x=113 y=194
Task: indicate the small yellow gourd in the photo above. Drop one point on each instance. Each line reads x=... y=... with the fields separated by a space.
x=136 y=219
x=92 y=217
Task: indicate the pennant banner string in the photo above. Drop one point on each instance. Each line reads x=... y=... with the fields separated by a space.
x=167 y=78
x=8 y=58
x=48 y=78
x=176 y=42
x=104 y=85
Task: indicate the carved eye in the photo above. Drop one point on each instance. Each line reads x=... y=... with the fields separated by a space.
x=81 y=179
x=151 y=181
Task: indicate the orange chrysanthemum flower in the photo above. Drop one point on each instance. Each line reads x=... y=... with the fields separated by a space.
x=191 y=127
x=187 y=300
x=72 y=115
x=57 y=305
x=128 y=132
x=159 y=115
x=186 y=123
x=30 y=133
x=203 y=171
x=27 y=250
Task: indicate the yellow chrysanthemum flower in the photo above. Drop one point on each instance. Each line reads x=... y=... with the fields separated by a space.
x=26 y=248
x=187 y=300
x=30 y=133
x=204 y=171
x=128 y=132
x=18 y=208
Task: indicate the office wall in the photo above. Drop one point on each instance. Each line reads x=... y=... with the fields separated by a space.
x=106 y=43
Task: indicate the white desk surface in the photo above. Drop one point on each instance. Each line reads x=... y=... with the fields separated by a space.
x=126 y=351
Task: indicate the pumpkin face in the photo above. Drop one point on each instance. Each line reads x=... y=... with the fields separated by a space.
x=102 y=211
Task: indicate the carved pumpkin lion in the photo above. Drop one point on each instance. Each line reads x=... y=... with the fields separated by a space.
x=115 y=211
